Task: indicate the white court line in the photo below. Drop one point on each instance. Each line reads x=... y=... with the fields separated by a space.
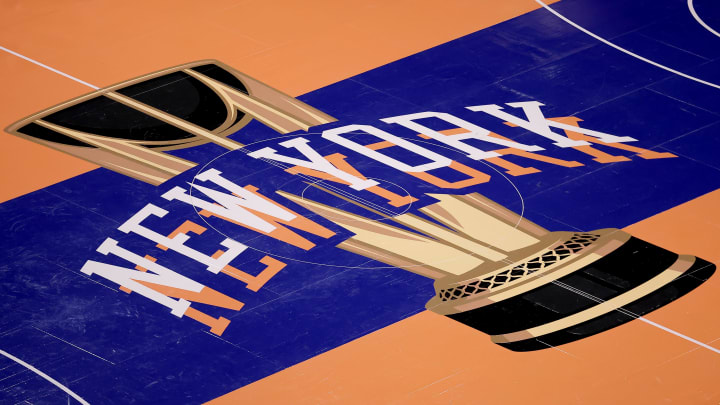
x=48 y=67
x=75 y=346
x=678 y=334
x=699 y=20
x=621 y=49
x=45 y=376
x=636 y=316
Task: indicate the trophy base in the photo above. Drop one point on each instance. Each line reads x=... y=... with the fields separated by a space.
x=698 y=273
x=612 y=280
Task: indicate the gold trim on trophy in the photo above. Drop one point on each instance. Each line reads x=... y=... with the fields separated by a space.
x=527 y=287
x=141 y=156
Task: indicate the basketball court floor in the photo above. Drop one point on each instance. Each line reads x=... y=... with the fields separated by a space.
x=376 y=202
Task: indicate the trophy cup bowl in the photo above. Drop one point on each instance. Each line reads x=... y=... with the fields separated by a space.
x=127 y=126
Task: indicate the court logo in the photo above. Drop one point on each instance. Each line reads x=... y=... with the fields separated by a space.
x=527 y=287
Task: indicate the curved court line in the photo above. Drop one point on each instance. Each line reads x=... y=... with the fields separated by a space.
x=244 y=149
x=699 y=20
x=621 y=49
x=45 y=376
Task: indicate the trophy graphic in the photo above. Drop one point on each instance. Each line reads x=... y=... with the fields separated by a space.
x=526 y=287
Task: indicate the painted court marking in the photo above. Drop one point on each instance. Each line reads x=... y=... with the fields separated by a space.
x=45 y=376
x=48 y=68
x=621 y=49
x=75 y=346
x=636 y=316
x=699 y=20
x=678 y=334
x=339 y=191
